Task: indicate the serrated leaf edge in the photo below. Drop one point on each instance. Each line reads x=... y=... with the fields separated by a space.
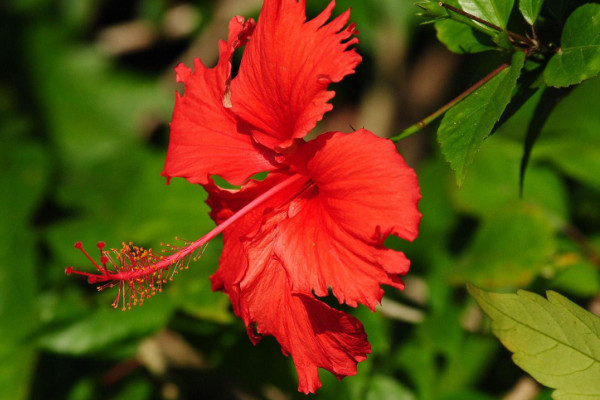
x=553 y=298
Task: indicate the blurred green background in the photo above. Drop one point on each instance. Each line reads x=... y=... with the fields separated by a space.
x=86 y=93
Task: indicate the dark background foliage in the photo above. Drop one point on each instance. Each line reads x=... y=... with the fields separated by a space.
x=86 y=92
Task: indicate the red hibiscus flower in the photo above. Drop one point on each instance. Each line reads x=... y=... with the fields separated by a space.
x=317 y=223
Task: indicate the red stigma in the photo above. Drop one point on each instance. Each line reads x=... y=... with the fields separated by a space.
x=68 y=270
x=78 y=245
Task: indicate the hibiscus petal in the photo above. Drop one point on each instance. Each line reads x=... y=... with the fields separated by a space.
x=316 y=335
x=204 y=139
x=281 y=89
x=224 y=203
x=234 y=262
x=364 y=183
x=333 y=236
x=319 y=254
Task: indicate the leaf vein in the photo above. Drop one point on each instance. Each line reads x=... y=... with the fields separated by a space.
x=568 y=345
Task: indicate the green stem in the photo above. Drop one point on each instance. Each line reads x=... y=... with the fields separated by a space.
x=411 y=130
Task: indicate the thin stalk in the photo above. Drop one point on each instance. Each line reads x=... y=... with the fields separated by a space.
x=417 y=127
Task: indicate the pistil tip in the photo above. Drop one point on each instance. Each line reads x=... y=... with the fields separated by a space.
x=101 y=245
x=68 y=270
x=78 y=245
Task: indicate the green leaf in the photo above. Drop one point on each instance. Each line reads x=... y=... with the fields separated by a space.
x=554 y=340
x=579 y=56
x=510 y=249
x=495 y=11
x=530 y=9
x=467 y=124
x=461 y=39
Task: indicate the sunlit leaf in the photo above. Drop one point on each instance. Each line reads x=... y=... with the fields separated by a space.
x=579 y=55
x=553 y=339
x=467 y=124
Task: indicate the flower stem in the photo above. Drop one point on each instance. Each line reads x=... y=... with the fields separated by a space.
x=417 y=127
